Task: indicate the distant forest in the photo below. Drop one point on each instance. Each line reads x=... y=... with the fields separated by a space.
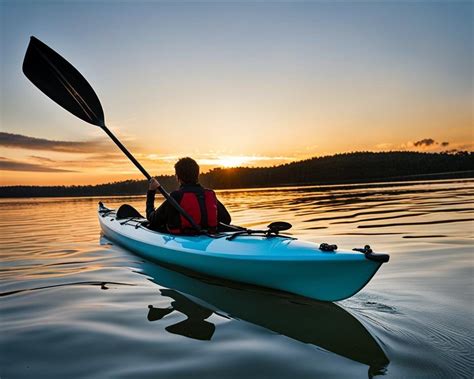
x=340 y=168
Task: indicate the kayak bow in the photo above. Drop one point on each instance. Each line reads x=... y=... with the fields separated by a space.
x=272 y=261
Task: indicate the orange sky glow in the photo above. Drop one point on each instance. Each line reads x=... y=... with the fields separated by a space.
x=236 y=85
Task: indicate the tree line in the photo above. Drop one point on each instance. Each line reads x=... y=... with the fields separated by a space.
x=339 y=168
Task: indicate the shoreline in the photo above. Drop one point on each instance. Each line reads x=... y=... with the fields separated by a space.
x=453 y=175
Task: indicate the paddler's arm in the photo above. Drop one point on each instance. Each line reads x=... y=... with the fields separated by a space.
x=150 y=204
x=156 y=217
x=222 y=214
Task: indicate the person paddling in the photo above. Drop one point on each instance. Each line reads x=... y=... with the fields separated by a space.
x=199 y=202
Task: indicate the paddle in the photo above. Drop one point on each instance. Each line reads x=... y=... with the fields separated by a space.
x=62 y=83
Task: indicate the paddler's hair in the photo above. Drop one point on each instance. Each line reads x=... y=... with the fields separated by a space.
x=187 y=170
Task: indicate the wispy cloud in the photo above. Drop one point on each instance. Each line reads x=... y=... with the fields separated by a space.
x=425 y=142
x=19 y=141
x=227 y=160
x=91 y=161
x=427 y=145
x=384 y=146
x=42 y=159
x=12 y=165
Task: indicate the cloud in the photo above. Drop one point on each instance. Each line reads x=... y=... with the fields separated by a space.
x=11 y=165
x=384 y=146
x=209 y=160
x=111 y=157
x=20 y=141
x=42 y=159
x=431 y=144
x=425 y=142
x=91 y=161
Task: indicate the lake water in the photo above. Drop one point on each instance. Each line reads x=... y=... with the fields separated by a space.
x=74 y=306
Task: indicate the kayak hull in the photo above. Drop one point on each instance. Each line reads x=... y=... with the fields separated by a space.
x=285 y=264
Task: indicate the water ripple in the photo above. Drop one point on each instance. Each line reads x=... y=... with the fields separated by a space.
x=64 y=293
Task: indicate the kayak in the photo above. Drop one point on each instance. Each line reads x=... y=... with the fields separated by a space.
x=320 y=272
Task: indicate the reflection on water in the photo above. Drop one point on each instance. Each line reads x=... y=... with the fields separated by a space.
x=325 y=325
x=194 y=326
x=71 y=307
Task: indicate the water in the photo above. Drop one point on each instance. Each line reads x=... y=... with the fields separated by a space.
x=73 y=305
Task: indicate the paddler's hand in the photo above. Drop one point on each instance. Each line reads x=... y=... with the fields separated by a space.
x=153 y=184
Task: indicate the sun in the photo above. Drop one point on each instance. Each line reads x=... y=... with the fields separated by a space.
x=232 y=161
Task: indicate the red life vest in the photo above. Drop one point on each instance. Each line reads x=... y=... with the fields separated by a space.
x=201 y=204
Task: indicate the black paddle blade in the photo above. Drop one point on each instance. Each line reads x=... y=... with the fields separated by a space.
x=61 y=82
x=127 y=211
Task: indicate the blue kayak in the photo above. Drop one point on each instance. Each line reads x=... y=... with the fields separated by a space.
x=263 y=259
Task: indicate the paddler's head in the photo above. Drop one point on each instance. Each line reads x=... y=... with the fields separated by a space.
x=187 y=171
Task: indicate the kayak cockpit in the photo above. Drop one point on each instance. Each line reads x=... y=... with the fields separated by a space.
x=127 y=213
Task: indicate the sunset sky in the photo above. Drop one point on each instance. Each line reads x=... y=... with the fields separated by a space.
x=251 y=83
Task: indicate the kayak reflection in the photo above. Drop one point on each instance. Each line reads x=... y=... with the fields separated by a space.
x=323 y=324
x=194 y=326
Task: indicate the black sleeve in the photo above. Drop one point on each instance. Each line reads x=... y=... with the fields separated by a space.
x=222 y=214
x=150 y=204
x=159 y=216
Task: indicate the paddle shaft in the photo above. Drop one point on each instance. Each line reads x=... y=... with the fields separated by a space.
x=166 y=195
x=130 y=156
